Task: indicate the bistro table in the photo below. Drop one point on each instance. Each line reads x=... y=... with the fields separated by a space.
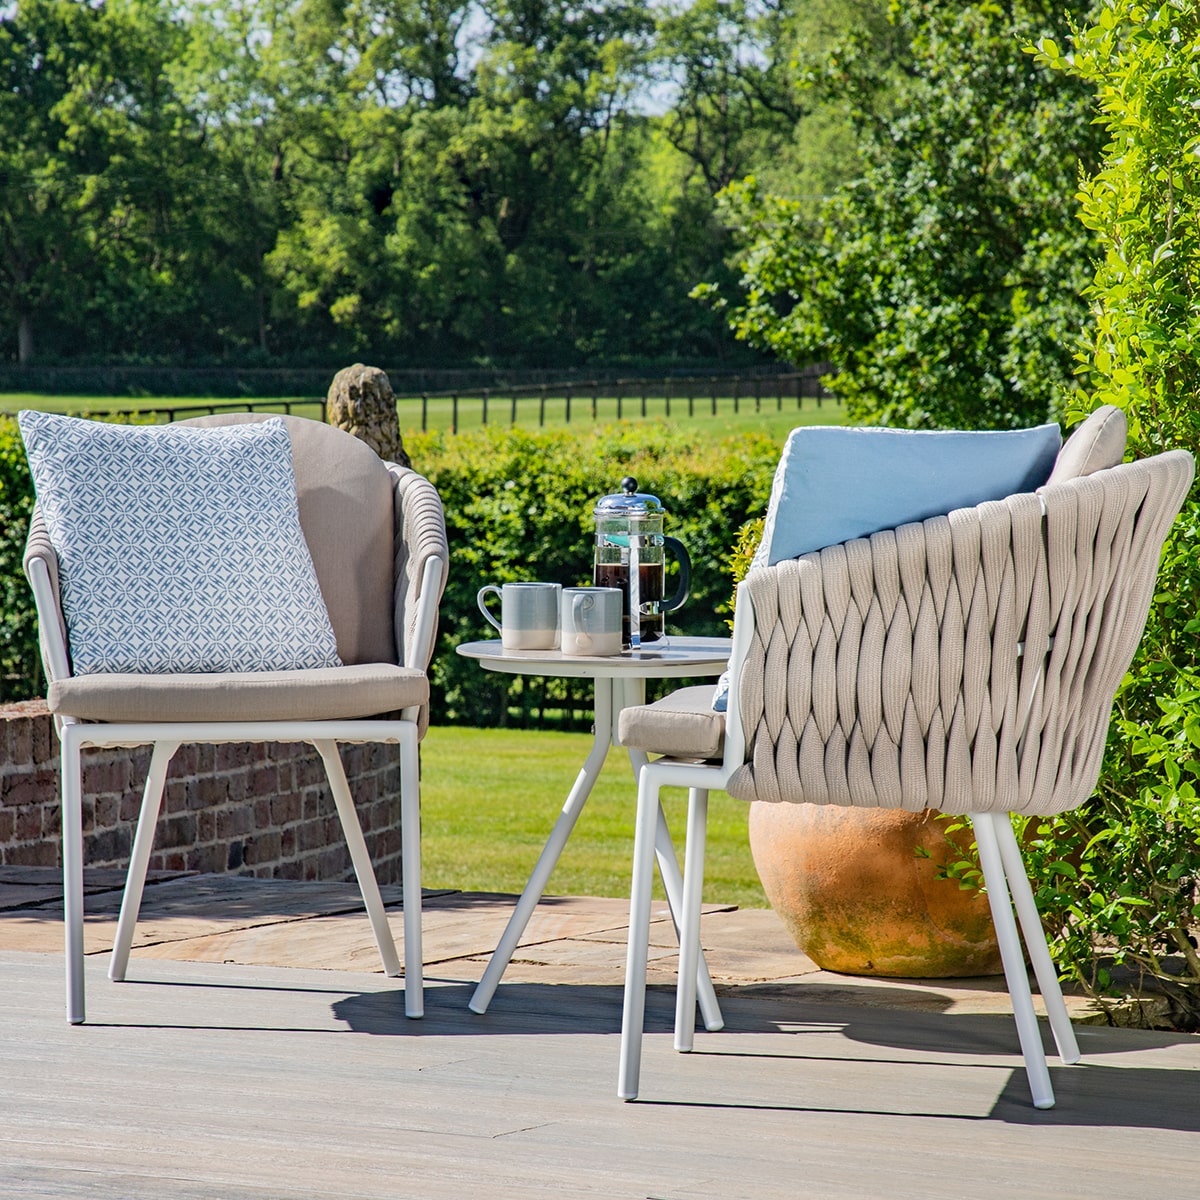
x=618 y=682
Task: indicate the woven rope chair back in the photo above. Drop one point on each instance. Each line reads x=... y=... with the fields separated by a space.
x=967 y=663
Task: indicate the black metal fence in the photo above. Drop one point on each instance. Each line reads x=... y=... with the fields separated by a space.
x=262 y=383
x=564 y=403
x=544 y=403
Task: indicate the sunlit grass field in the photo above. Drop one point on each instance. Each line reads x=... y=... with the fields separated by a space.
x=490 y=796
x=771 y=415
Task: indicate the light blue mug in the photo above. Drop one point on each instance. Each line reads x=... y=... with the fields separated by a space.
x=528 y=614
x=591 y=620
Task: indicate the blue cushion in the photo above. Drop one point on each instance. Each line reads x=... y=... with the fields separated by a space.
x=835 y=483
x=720 y=700
x=180 y=550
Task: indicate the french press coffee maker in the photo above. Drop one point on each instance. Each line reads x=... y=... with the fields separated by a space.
x=630 y=548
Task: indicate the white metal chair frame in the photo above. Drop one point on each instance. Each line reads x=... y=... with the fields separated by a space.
x=1073 y=568
x=1000 y=858
x=167 y=737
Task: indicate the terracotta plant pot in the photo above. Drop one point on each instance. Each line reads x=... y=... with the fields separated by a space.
x=850 y=887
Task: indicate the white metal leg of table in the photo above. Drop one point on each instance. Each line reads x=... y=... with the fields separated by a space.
x=610 y=696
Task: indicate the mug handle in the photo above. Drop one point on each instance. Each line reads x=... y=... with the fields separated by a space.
x=483 y=608
x=580 y=604
x=685 y=574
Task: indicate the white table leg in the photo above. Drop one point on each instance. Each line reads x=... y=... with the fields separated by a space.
x=552 y=851
x=668 y=863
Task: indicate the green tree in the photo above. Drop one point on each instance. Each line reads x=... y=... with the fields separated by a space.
x=493 y=211
x=735 y=96
x=738 y=74
x=1121 y=879
x=104 y=230
x=942 y=284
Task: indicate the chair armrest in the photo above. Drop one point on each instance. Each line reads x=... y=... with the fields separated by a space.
x=422 y=560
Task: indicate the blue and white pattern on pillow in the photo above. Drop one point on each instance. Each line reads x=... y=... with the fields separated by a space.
x=179 y=550
x=720 y=700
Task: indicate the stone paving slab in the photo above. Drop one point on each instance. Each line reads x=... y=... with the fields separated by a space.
x=570 y=939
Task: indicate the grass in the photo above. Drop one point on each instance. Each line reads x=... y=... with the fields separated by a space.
x=489 y=798
x=773 y=417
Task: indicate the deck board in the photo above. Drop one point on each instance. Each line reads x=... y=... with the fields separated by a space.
x=258 y=1052
x=247 y=1082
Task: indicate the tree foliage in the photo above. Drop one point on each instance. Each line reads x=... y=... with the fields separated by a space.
x=1122 y=878
x=943 y=283
x=95 y=151
x=429 y=180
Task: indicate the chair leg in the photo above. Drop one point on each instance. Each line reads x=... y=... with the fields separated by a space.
x=72 y=856
x=668 y=869
x=1035 y=939
x=1014 y=961
x=689 y=925
x=410 y=833
x=363 y=869
x=143 y=842
x=634 y=1011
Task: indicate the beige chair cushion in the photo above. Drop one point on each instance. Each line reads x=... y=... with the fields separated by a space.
x=1097 y=444
x=331 y=693
x=345 y=496
x=681 y=725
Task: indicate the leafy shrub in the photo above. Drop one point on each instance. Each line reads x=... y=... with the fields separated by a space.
x=20 y=666
x=519 y=506
x=1120 y=880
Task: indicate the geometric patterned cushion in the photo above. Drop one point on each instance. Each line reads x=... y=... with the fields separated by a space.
x=179 y=550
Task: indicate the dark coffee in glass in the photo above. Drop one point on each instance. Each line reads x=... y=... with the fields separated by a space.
x=650 y=577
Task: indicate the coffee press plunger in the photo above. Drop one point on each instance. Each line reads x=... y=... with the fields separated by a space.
x=630 y=549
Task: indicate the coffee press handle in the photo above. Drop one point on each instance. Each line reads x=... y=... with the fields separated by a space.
x=685 y=574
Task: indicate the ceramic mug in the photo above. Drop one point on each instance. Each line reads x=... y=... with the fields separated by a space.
x=591 y=620
x=528 y=614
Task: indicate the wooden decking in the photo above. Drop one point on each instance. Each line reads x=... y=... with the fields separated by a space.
x=227 y=1070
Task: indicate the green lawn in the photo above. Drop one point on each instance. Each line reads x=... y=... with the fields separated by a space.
x=490 y=796
x=12 y=402
x=770 y=416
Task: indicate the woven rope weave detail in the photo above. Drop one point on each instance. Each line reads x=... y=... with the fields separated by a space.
x=420 y=534
x=886 y=672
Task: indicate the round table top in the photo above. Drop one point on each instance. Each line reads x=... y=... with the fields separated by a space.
x=670 y=658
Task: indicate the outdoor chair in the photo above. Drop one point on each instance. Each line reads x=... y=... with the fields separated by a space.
x=376 y=535
x=966 y=663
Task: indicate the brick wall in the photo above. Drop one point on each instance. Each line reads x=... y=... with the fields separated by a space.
x=262 y=810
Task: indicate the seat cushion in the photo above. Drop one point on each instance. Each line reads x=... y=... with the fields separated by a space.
x=836 y=483
x=179 y=550
x=330 y=693
x=681 y=725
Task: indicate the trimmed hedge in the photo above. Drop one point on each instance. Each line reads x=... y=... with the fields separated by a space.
x=518 y=506
x=20 y=665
